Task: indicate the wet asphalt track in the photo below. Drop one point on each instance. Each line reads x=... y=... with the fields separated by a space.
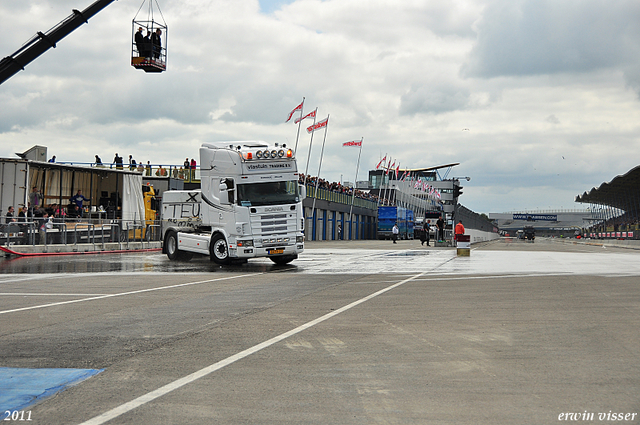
x=350 y=333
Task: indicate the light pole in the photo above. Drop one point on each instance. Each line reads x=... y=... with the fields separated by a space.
x=456 y=193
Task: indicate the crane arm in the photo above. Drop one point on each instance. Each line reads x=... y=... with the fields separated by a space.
x=41 y=42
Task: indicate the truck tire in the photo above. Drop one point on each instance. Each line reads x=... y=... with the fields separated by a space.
x=171 y=248
x=283 y=259
x=219 y=250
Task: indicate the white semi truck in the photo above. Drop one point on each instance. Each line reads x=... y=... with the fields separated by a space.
x=249 y=205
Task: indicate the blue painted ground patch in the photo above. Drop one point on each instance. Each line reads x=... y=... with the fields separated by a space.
x=20 y=388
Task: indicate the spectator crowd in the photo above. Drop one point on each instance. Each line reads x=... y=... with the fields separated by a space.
x=340 y=188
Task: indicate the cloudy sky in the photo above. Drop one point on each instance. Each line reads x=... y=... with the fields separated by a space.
x=548 y=89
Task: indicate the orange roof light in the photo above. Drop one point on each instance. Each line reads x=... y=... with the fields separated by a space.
x=289 y=153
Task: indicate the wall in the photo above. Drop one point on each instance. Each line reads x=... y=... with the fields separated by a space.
x=333 y=209
x=481 y=236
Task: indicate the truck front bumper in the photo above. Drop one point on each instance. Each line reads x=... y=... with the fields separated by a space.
x=272 y=251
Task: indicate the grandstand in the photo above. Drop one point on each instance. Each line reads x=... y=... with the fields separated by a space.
x=615 y=207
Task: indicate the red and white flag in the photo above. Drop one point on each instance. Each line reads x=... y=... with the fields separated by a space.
x=309 y=115
x=397 y=170
x=297 y=108
x=391 y=167
x=318 y=125
x=381 y=162
x=352 y=143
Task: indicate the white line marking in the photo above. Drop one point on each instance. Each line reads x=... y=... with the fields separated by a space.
x=499 y=276
x=488 y=276
x=126 y=293
x=25 y=277
x=146 y=398
x=32 y=294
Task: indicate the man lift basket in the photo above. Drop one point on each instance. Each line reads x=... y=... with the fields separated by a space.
x=149 y=41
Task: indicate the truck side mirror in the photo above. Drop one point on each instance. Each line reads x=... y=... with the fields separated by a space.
x=227 y=186
x=303 y=192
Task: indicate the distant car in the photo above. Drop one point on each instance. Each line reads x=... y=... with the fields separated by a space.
x=417 y=229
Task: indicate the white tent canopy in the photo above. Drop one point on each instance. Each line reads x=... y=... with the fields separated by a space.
x=132 y=199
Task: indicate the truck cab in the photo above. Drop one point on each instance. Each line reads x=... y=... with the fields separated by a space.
x=249 y=205
x=529 y=233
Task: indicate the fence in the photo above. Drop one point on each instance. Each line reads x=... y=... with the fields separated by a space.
x=340 y=198
x=473 y=220
x=613 y=235
x=95 y=232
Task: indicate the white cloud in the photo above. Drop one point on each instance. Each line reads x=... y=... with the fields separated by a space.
x=531 y=37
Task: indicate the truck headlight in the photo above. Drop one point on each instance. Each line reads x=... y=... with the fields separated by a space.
x=299 y=239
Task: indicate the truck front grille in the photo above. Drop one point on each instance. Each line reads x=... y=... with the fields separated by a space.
x=272 y=229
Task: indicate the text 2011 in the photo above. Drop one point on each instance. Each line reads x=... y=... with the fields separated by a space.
x=17 y=415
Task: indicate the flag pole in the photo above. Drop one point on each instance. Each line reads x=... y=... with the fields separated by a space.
x=388 y=185
x=299 y=125
x=315 y=195
x=423 y=206
x=355 y=181
x=395 y=186
x=306 y=170
x=382 y=188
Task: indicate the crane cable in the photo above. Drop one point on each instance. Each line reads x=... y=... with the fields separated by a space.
x=150 y=14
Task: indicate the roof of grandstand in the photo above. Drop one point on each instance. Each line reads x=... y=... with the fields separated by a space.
x=616 y=193
x=430 y=168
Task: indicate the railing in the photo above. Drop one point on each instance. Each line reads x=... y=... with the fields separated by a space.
x=340 y=198
x=473 y=220
x=630 y=234
x=157 y=170
x=74 y=232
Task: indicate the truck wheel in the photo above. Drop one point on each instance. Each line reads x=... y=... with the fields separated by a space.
x=219 y=250
x=284 y=259
x=171 y=248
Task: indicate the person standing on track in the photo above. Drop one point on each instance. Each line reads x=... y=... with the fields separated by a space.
x=440 y=226
x=426 y=229
x=459 y=229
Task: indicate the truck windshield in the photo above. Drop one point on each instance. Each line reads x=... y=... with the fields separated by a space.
x=270 y=193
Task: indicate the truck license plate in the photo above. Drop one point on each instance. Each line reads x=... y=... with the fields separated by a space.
x=275 y=251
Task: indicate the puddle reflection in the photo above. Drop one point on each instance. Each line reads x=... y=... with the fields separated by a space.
x=128 y=263
x=408 y=253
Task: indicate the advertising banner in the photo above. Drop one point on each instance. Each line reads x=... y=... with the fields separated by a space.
x=536 y=217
